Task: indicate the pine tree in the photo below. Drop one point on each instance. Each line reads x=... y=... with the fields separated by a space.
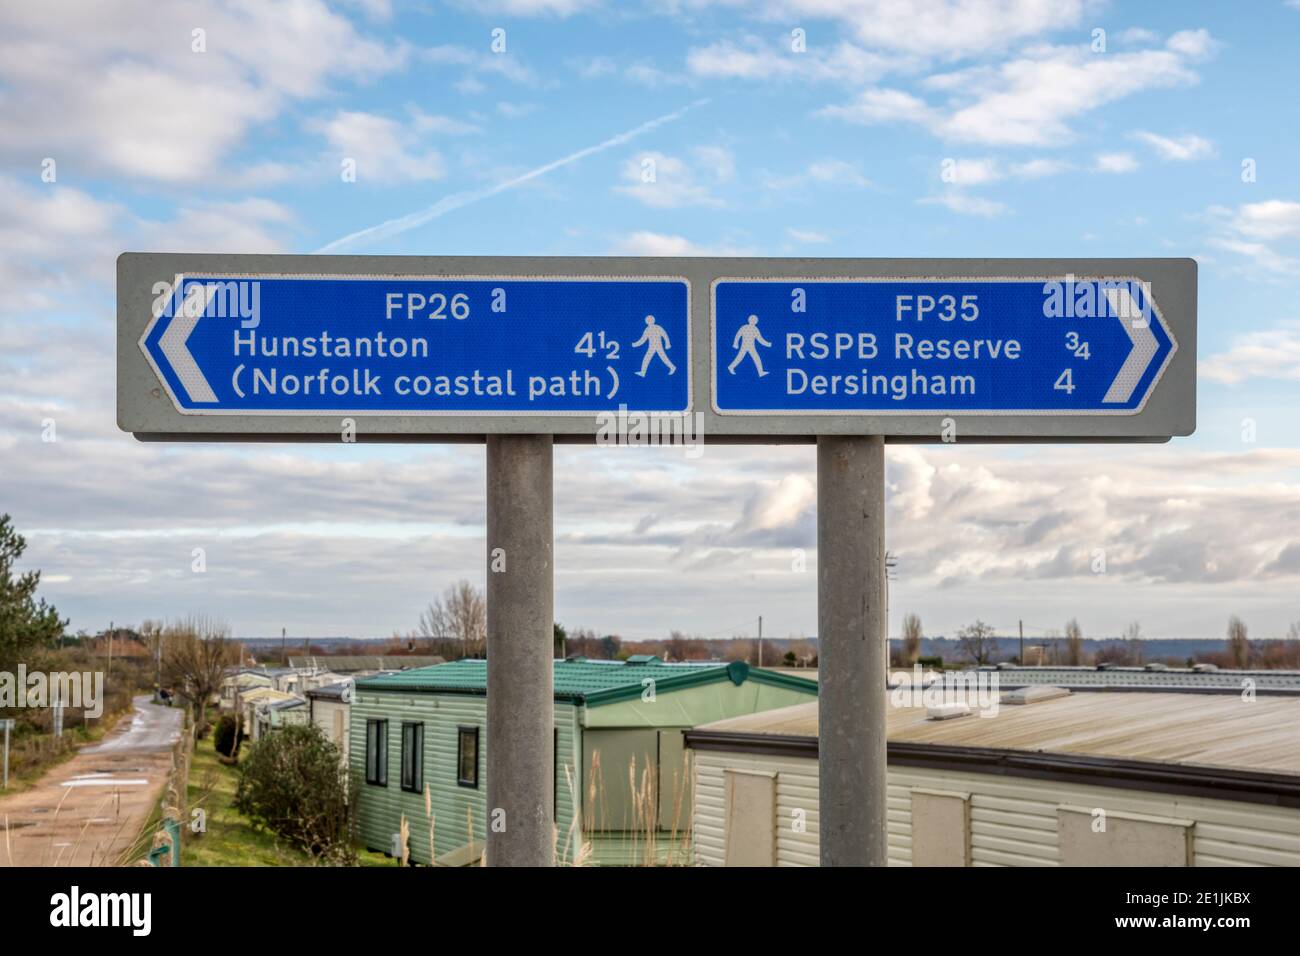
x=26 y=624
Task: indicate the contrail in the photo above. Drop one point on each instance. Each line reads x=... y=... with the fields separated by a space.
x=401 y=224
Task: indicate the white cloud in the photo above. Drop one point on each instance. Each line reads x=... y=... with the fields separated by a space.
x=1179 y=149
x=646 y=243
x=59 y=243
x=1193 y=43
x=413 y=220
x=1038 y=168
x=443 y=125
x=1255 y=230
x=966 y=205
x=807 y=236
x=1138 y=35
x=375 y=9
x=529 y=8
x=1115 y=163
x=982 y=171
x=52 y=239
x=929 y=28
x=884 y=106
x=1259 y=254
x=1271 y=219
x=516 y=110
x=1026 y=101
x=717 y=161
x=1272 y=353
x=384 y=150
x=245 y=225
x=477 y=63
x=642 y=72
x=117 y=87
x=822 y=172
x=754 y=59
x=970 y=172
x=668 y=182
x=594 y=67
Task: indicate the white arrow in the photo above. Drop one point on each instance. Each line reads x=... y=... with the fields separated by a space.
x=189 y=311
x=1137 y=325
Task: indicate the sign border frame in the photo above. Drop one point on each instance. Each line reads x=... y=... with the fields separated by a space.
x=946 y=413
x=144 y=410
x=422 y=413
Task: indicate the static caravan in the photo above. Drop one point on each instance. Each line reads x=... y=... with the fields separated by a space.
x=1092 y=778
x=328 y=709
x=250 y=701
x=271 y=715
x=241 y=683
x=621 y=790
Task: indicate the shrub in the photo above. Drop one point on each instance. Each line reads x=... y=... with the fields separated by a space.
x=226 y=736
x=293 y=783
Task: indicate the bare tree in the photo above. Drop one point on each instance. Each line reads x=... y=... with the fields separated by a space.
x=976 y=641
x=195 y=655
x=1133 y=638
x=460 y=614
x=912 y=635
x=1073 y=643
x=1238 y=643
x=1291 y=647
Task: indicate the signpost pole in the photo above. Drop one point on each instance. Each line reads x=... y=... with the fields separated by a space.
x=520 y=620
x=850 y=630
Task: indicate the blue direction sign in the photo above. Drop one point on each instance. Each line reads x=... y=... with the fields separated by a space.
x=1058 y=346
x=303 y=345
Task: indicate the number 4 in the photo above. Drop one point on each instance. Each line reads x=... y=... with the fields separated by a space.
x=1065 y=383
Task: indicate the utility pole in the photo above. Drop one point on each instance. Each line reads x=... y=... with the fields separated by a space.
x=760 y=640
x=284 y=651
x=1022 y=643
x=520 y=649
x=851 y=627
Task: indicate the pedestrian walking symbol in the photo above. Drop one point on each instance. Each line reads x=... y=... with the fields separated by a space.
x=657 y=339
x=745 y=338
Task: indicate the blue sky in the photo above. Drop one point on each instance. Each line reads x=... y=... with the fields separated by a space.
x=925 y=129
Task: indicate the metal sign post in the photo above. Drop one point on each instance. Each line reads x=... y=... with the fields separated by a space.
x=8 y=725
x=520 y=616
x=851 y=627
x=521 y=352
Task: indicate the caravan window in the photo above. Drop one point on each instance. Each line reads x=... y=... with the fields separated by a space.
x=413 y=757
x=377 y=752
x=467 y=756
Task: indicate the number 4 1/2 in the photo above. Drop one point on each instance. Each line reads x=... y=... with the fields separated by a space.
x=591 y=343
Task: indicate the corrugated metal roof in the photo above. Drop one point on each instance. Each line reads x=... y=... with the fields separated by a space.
x=259 y=694
x=1220 y=730
x=336 y=691
x=286 y=704
x=590 y=681
x=1166 y=678
x=350 y=663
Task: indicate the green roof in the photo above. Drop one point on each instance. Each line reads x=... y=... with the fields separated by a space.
x=585 y=681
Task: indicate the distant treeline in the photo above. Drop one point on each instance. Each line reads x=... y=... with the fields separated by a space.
x=802 y=651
